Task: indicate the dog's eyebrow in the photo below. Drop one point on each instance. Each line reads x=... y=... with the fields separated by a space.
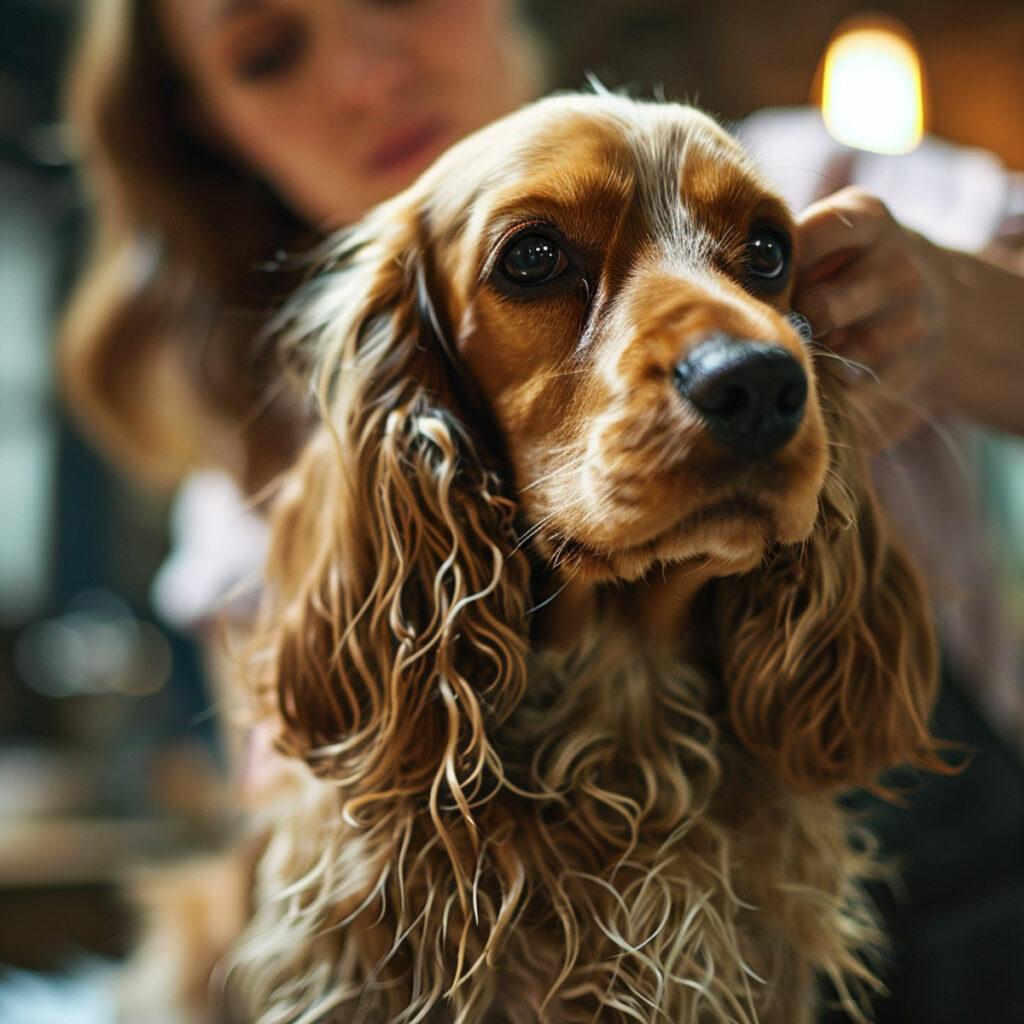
x=501 y=227
x=585 y=217
x=222 y=10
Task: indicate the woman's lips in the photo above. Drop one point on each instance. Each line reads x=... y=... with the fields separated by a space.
x=407 y=147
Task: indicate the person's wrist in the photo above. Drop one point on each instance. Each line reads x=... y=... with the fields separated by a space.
x=941 y=340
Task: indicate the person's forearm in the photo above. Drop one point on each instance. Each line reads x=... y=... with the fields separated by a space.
x=983 y=370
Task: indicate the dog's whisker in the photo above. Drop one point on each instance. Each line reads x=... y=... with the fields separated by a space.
x=862 y=369
x=543 y=604
x=514 y=798
x=560 y=470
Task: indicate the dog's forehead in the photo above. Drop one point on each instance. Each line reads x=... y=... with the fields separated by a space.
x=597 y=150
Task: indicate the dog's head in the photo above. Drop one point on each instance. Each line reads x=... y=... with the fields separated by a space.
x=567 y=351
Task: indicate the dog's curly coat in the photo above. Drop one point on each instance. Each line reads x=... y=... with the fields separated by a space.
x=576 y=681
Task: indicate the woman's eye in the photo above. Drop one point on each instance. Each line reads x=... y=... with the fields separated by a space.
x=767 y=257
x=533 y=259
x=275 y=55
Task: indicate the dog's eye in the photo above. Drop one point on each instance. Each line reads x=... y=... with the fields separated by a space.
x=533 y=259
x=767 y=256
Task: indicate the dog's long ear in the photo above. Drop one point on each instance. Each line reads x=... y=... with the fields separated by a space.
x=393 y=636
x=828 y=650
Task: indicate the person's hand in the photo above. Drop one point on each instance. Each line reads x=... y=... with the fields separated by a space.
x=872 y=293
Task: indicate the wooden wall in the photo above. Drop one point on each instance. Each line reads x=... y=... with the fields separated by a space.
x=735 y=56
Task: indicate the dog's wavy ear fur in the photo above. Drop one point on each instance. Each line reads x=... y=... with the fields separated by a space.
x=828 y=651
x=394 y=628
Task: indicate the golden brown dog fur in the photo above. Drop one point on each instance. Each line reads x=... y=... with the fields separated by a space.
x=576 y=684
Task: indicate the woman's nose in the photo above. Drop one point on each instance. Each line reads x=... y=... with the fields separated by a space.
x=367 y=61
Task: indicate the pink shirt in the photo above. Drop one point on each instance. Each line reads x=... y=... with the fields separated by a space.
x=959 y=198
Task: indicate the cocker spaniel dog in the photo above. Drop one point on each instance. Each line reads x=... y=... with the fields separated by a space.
x=580 y=609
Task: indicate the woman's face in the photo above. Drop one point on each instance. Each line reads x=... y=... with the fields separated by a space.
x=339 y=104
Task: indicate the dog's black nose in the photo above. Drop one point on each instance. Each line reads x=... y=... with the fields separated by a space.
x=751 y=395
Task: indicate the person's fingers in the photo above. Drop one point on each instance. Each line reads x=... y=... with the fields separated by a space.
x=866 y=290
x=851 y=219
x=836 y=173
x=857 y=295
x=879 y=343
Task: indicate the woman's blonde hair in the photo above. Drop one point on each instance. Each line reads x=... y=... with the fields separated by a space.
x=158 y=351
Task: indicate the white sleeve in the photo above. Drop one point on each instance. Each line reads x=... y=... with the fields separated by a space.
x=954 y=195
x=218 y=547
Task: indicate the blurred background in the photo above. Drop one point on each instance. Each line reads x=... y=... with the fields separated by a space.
x=108 y=753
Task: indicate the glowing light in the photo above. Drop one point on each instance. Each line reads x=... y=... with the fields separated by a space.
x=872 y=90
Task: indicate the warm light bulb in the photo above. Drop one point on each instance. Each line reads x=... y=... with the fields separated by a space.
x=872 y=94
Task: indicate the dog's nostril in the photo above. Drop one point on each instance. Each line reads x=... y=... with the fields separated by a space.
x=793 y=397
x=751 y=395
x=726 y=401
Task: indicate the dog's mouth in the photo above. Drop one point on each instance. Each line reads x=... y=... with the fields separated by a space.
x=737 y=507
x=733 y=507
x=734 y=528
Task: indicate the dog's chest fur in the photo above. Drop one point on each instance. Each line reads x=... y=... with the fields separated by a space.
x=625 y=856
